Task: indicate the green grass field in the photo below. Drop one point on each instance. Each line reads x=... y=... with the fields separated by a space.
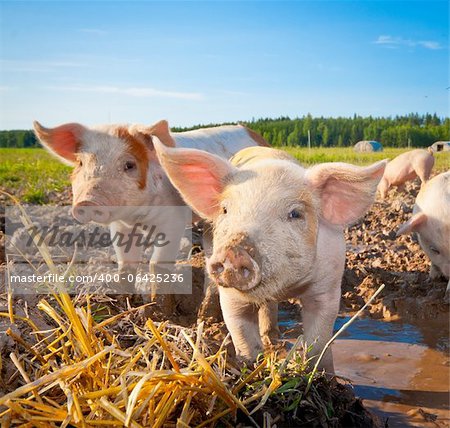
x=346 y=154
x=32 y=175
x=35 y=176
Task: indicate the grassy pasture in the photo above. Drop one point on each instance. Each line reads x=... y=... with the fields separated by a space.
x=347 y=154
x=35 y=176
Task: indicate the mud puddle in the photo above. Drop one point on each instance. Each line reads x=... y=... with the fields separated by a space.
x=400 y=370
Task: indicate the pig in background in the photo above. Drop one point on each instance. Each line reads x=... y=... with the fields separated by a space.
x=117 y=176
x=277 y=233
x=431 y=221
x=405 y=167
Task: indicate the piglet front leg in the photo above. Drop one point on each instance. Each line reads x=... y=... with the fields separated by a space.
x=210 y=307
x=241 y=319
x=268 y=323
x=319 y=313
x=128 y=253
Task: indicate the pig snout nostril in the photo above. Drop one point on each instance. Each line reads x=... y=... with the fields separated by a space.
x=101 y=215
x=245 y=272
x=86 y=211
x=80 y=214
x=234 y=267
x=217 y=268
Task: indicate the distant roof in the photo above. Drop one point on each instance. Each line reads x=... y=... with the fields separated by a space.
x=368 y=146
x=440 y=146
x=369 y=142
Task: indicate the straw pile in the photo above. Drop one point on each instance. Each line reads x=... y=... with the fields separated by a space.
x=79 y=374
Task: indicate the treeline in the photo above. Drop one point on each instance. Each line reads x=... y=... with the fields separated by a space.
x=18 y=139
x=400 y=131
x=414 y=130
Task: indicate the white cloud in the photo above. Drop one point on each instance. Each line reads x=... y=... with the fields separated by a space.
x=396 y=42
x=430 y=44
x=393 y=42
x=132 y=91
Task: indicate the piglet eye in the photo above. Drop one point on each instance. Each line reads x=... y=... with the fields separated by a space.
x=435 y=250
x=129 y=165
x=224 y=210
x=295 y=214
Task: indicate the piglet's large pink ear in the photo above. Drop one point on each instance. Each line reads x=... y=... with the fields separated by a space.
x=413 y=224
x=62 y=141
x=159 y=129
x=346 y=191
x=200 y=177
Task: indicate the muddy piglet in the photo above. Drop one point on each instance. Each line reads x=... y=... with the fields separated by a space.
x=118 y=181
x=431 y=221
x=278 y=233
x=405 y=167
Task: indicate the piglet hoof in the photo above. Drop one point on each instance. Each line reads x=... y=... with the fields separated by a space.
x=250 y=356
x=271 y=340
x=127 y=279
x=247 y=361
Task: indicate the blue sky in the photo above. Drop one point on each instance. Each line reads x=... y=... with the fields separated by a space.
x=200 y=62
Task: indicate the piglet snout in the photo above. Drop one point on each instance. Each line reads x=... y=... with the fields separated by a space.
x=234 y=267
x=87 y=211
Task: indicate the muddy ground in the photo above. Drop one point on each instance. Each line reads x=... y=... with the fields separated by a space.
x=375 y=256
